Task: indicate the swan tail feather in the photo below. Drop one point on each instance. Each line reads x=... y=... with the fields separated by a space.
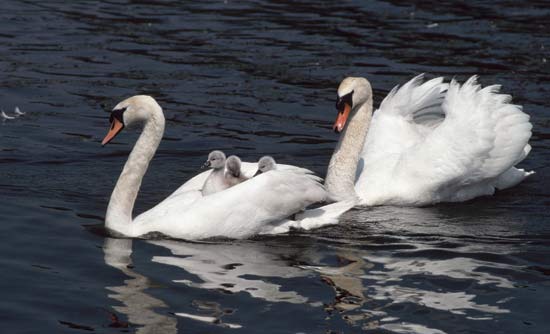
x=325 y=215
x=511 y=177
x=311 y=219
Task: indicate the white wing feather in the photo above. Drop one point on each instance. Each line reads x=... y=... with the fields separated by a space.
x=247 y=168
x=482 y=137
x=312 y=219
x=435 y=142
x=404 y=118
x=237 y=212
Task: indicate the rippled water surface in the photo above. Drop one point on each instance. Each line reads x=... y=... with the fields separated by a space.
x=255 y=78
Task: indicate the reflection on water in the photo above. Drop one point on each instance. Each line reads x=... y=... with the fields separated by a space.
x=226 y=267
x=389 y=286
x=139 y=307
x=367 y=288
x=231 y=267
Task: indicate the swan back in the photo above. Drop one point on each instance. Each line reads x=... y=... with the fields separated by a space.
x=249 y=169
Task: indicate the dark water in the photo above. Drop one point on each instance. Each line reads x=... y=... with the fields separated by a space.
x=255 y=78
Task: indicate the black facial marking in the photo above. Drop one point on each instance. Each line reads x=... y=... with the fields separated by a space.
x=117 y=114
x=341 y=101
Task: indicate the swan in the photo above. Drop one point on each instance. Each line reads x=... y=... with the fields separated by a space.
x=233 y=174
x=216 y=180
x=246 y=209
x=248 y=170
x=265 y=164
x=428 y=142
x=216 y=160
x=225 y=173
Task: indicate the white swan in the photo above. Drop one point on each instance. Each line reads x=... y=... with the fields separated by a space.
x=429 y=142
x=243 y=210
x=248 y=170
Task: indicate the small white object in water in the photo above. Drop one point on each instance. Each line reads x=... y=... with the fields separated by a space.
x=18 y=112
x=5 y=116
x=432 y=25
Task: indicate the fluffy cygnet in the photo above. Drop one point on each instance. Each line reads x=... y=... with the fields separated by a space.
x=265 y=164
x=215 y=181
x=233 y=173
x=225 y=174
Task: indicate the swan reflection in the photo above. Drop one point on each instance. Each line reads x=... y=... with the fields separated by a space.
x=366 y=284
x=138 y=306
x=240 y=267
x=232 y=267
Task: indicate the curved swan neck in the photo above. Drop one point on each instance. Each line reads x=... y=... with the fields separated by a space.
x=121 y=204
x=342 y=169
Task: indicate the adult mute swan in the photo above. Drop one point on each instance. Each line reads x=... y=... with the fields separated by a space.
x=427 y=143
x=254 y=206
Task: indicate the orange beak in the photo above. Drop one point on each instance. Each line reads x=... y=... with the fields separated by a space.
x=341 y=118
x=116 y=126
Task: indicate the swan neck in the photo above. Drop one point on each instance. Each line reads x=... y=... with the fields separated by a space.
x=341 y=174
x=121 y=204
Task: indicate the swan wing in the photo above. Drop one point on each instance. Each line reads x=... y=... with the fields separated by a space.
x=481 y=137
x=417 y=101
x=237 y=212
x=405 y=117
x=248 y=169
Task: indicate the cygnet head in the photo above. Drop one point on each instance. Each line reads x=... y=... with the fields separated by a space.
x=216 y=160
x=265 y=164
x=136 y=109
x=233 y=166
x=352 y=93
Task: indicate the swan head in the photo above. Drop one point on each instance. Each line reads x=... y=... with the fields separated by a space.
x=265 y=164
x=233 y=166
x=216 y=160
x=136 y=109
x=352 y=93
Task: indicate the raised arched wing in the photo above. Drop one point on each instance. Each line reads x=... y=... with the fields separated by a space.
x=482 y=136
x=404 y=118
